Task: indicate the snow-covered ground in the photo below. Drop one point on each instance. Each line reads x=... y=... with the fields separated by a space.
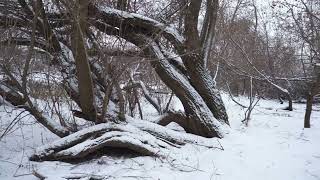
x=274 y=147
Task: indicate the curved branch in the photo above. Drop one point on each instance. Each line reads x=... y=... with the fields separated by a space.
x=138 y=24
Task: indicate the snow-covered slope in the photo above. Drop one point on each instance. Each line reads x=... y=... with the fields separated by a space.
x=273 y=147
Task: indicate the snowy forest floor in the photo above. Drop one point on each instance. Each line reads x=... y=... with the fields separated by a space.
x=274 y=147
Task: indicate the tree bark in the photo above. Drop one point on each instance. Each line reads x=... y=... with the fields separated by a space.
x=200 y=119
x=315 y=89
x=195 y=61
x=85 y=84
x=307 y=115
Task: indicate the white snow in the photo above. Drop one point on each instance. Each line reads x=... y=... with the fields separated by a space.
x=274 y=147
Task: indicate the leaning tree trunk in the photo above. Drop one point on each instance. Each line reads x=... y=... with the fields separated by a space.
x=200 y=119
x=14 y=96
x=202 y=81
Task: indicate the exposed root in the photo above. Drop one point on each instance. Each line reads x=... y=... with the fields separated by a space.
x=174 y=137
x=177 y=117
x=142 y=137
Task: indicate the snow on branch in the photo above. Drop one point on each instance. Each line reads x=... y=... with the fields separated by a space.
x=143 y=137
x=137 y=22
x=189 y=96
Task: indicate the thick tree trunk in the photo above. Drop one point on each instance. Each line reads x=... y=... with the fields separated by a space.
x=202 y=81
x=85 y=84
x=200 y=119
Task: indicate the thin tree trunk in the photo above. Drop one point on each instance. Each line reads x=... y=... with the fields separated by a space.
x=138 y=102
x=308 y=111
x=290 y=108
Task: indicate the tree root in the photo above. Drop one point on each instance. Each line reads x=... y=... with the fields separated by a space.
x=142 y=137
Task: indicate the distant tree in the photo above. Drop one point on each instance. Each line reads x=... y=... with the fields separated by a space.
x=303 y=21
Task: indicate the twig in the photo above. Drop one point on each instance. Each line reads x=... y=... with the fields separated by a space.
x=38 y=175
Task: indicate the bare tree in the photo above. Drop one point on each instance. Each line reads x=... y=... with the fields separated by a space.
x=67 y=32
x=305 y=25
